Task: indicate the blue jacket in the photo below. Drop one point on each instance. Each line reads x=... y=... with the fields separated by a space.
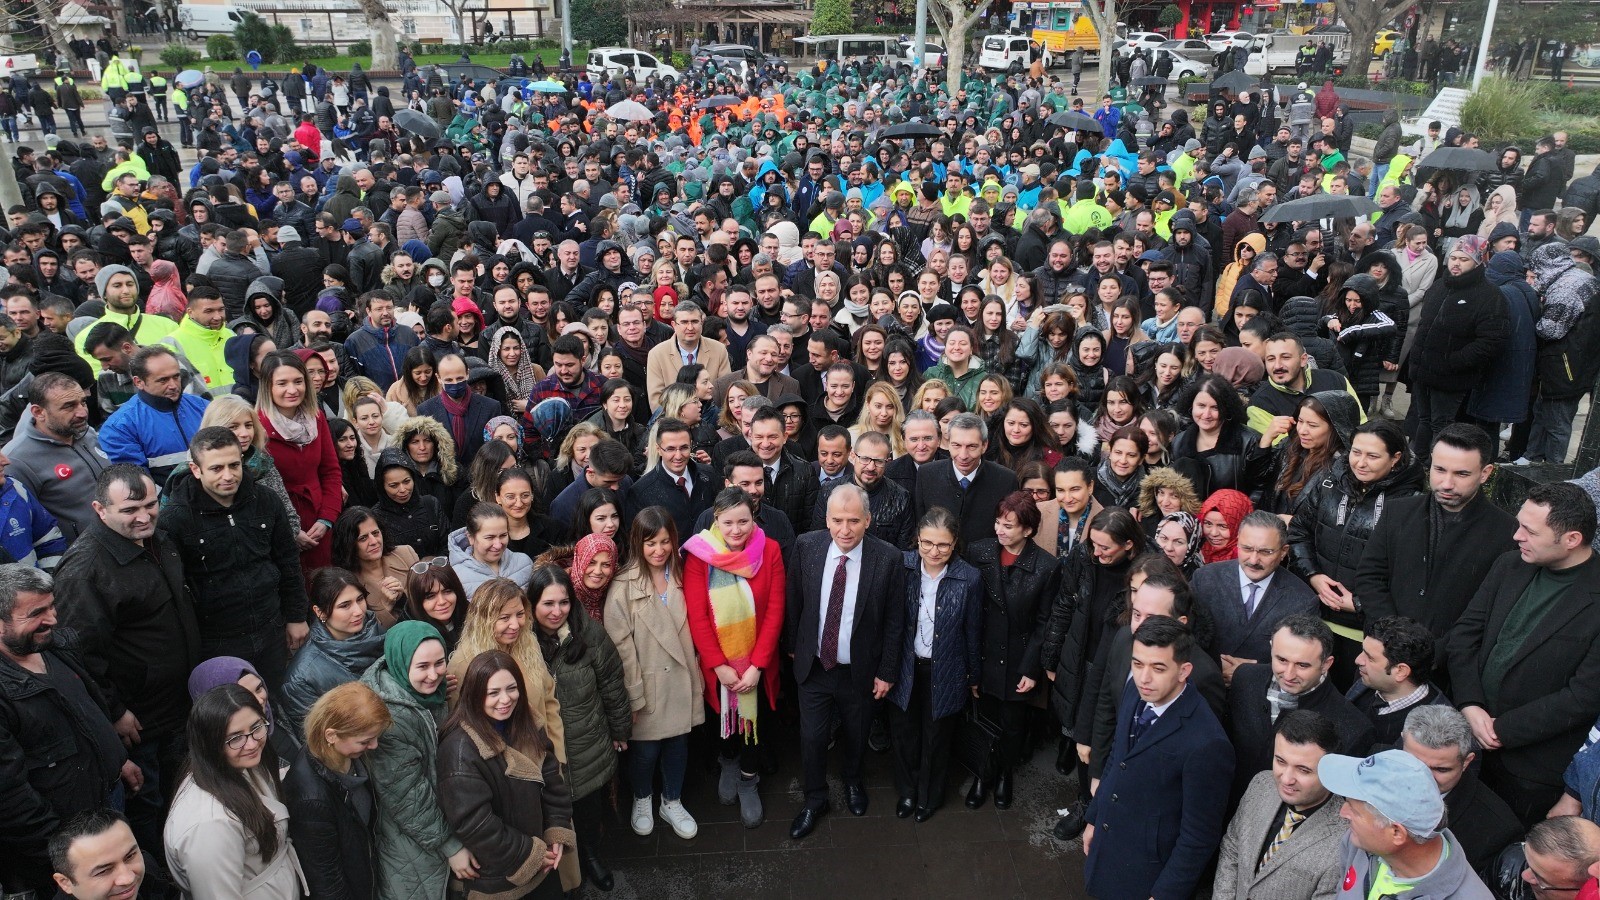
x=1162 y=805
x=153 y=432
x=957 y=621
x=30 y=533
x=380 y=353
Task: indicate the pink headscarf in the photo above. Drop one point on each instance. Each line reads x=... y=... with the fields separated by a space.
x=589 y=546
x=166 y=295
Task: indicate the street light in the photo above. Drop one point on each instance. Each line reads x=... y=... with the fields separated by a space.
x=1483 y=44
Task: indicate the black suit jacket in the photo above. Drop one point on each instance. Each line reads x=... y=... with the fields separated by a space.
x=1250 y=721
x=1217 y=587
x=879 y=623
x=974 y=508
x=1550 y=695
x=903 y=470
x=657 y=488
x=1111 y=677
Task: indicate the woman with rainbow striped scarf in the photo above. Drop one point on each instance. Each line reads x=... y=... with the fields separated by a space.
x=733 y=587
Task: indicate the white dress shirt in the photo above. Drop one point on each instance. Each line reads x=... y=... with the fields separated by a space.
x=927 y=610
x=852 y=583
x=687 y=476
x=1244 y=589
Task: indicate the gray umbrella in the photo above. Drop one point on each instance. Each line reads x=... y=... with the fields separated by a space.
x=629 y=111
x=1320 y=206
x=418 y=123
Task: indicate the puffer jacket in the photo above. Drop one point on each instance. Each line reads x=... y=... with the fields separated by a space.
x=380 y=352
x=1504 y=175
x=335 y=843
x=1334 y=517
x=1462 y=328
x=957 y=650
x=1078 y=623
x=419 y=523
x=1569 y=337
x=322 y=664
x=1507 y=388
x=1363 y=344
x=1215 y=129
x=594 y=700
x=1018 y=600
x=1302 y=315
x=415 y=842
x=1389 y=140
x=513 y=565
x=232 y=275
x=445 y=235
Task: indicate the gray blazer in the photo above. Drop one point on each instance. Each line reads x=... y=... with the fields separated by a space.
x=1304 y=868
x=1217 y=587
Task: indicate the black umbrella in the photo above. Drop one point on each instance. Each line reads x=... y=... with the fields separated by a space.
x=1237 y=82
x=417 y=123
x=1460 y=158
x=1321 y=206
x=1076 y=121
x=1151 y=81
x=718 y=101
x=912 y=130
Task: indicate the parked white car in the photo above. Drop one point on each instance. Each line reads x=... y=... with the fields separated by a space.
x=1146 y=40
x=606 y=61
x=1222 y=40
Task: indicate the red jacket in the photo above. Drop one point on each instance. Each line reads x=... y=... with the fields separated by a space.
x=314 y=481
x=768 y=589
x=309 y=137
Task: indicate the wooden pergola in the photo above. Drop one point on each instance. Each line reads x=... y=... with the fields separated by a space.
x=686 y=22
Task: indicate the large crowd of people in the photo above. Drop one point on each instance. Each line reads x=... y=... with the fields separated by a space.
x=381 y=503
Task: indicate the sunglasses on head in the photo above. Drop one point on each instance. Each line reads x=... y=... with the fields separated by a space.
x=422 y=566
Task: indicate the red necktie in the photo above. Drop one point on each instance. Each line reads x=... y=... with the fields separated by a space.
x=830 y=627
x=683 y=485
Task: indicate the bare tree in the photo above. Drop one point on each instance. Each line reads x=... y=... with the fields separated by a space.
x=35 y=29
x=376 y=12
x=953 y=18
x=1365 y=17
x=1103 y=15
x=458 y=14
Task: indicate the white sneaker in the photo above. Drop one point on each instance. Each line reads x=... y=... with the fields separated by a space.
x=643 y=823
x=683 y=824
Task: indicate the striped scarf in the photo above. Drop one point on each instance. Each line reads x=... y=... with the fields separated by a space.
x=733 y=613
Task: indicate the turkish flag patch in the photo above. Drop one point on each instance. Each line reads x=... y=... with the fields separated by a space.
x=1350 y=878
x=63 y=471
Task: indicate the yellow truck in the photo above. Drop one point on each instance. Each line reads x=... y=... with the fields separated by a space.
x=1062 y=27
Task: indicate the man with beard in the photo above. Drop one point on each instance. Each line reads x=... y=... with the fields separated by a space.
x=1289 y=380
x=739 y=330
x=59 y=456
x=893 y=513
x=52 y=709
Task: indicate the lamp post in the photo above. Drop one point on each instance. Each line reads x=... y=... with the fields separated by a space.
x=1483 y=44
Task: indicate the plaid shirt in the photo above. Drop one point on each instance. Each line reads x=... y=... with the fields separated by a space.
x=585 y=399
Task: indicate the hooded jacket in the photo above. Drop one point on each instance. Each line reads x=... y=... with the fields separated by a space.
x=1389 y=139
x=1511 y=175
x=496 y=206
x=284 y=328
x=1568 y=330
x=345 y=197
x=419 y=523
x=1504 y=395
x=513 y=565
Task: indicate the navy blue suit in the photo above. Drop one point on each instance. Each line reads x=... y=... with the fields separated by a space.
x=1163 y=803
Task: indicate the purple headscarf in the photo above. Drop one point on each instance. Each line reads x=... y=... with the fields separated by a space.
x=221 y=670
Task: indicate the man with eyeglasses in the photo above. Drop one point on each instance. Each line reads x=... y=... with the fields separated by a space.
x=893 y=515
x=1560 y=858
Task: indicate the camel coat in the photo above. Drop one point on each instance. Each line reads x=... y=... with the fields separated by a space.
x=665 y=686
x=1050 y=524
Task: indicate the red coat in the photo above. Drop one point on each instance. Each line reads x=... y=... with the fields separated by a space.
x=308 y=135
x=315 y=484
x=768 y=589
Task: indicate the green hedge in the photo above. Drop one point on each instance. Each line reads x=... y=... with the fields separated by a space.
x=177 y=56
x=359 y=48
x=221 y=47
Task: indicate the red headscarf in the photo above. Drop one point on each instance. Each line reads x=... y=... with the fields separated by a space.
x=588 y=547
x=1233 y=506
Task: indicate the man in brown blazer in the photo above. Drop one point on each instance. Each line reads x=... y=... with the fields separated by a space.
x=1283 y=842
x=687 y=347
x=761 y=370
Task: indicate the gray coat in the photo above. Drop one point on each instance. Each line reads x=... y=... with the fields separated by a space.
x=1304 y=868
x=38 y=461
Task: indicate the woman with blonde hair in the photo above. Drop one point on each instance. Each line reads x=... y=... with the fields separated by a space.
x=358 y=386
x=499 y=618
x=928 y=397
x=573 y=456
x=230 y=411
x=881 y=412
x=329 y=792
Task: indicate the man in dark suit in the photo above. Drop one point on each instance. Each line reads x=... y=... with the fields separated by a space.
x=1478 y=817
x=1247 y=597
x=791 y=482
x=1429 y=553
x=743 y=470
x=679 y=485
x=761 y=369
x=1525 y=657
x=1296 y=678
x=892 y=513
x=1159 y=814
x=845 y=620
x=971 y=487
x=922 y=446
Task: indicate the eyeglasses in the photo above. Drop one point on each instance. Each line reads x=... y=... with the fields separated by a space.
x=1541 y=884
x=936 y=546
x=256 y=734
x=421 y=566
x=1039 y=492
x=792 y=417
x=871 y=461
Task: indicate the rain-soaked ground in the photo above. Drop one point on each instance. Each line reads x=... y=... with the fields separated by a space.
x=985 y=853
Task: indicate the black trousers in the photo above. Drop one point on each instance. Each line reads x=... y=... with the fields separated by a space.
x=921 y=742
x=734 y=747
x=824 y=697
x=267 y=650
x=588 y=816
x=1012 y=716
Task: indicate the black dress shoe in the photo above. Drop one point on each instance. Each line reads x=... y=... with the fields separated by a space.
x=806 y=822
x=856 y=799
x=978 y=794
x=595 y=872
x=924 y=813
x=1002 y=790
x=1070 y=826
x=902 y=810
x=1066 y=757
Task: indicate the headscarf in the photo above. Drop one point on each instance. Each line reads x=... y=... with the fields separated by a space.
x=1233 y=506
x=1473 y=246
x=166 y=292
x=589 y=546
x=519 y=384
x=1461 y=214
x=1191 y=528
x=496 y=422
x=733 y=613
x=1243 y=368
x=399 y=646
x=1507 y=212
x=220 y=670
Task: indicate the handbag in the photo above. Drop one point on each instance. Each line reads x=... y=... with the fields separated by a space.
x=975 y=741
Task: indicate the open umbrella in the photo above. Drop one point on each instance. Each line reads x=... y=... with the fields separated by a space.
x=718 y=101
x=1320 y=206
x=417 y=123
x=1460 y=158
x=1076 y=121
x=189 y=78
x=548 y=87
x=630 y=111
x=911 y=130
x=1236 y=81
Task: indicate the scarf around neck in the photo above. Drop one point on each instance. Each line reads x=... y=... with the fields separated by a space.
x=733 y=613
x=588 y=547
x=456 y=412
x=299 y=429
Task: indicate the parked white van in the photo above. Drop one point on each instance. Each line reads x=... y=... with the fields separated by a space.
x=606 y=61
x=206 y=19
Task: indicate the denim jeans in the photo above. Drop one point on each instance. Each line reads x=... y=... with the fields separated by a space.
x=8 y=125
x=673 y=756
x=1379 y=170
x=1552 y=430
